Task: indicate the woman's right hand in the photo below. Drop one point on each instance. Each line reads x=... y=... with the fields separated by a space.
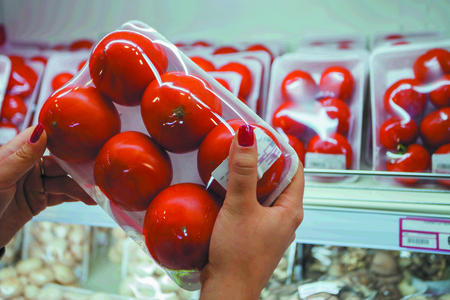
x=248 y=240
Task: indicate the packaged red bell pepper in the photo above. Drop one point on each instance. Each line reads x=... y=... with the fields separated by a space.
x=316 y=101
x=146 y=133
x=410 y=91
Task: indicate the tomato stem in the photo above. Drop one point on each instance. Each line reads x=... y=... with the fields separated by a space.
x=179 y=112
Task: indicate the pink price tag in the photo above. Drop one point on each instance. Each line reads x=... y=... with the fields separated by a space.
x=425 y=233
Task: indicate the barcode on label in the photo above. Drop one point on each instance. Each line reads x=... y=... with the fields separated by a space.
x=418 y=241
x=443 y=166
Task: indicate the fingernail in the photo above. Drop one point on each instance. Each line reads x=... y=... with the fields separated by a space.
x=38 y=130
x=245 y=136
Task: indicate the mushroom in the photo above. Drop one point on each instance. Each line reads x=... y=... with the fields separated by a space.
x=42 y=276
x=24 y=280
x=388 y=293
x=31 y=292
x=77 y=251
x=63 y=274
x=384 y=264
x=69 y=295
x=25 y=266
x=405 y=287
x=77 y=234
x=11 y=287
x=56 y=249
x=7 y=273
x=322 y=296
x=61 y=230
x=50 y=293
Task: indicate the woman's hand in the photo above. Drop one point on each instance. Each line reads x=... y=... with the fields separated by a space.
x=248 y=239
x=24 y=190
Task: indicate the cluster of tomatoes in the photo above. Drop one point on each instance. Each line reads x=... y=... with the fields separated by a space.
x=21 y=84
x=406 y=100
x=331 y=117
x=181 y=113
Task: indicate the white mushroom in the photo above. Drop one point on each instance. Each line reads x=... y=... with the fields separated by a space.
x=7 y=273
x=63 y=274
x=27 y=265
x=77 y=251
x=61 y=230
x=42 y=276
x=36 y=250
x=167 y=285
x=50 y=293
x=24 y=280
x=56 y=249
x=44 y=237
x=69 y=259
x=77 y=235
x=31 y=291
x=10 y=287
x=99 y=296
x=17 y=298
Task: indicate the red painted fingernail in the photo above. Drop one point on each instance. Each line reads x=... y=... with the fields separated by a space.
x=36 y=133
x=246 y=136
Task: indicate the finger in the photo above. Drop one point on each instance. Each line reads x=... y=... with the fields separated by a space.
x=18 y=163
x=51 y=167
x=243 y=173
x=58 y=199
x=34 y=191
x=292 y=196
x=63 y=185
x=15 y=144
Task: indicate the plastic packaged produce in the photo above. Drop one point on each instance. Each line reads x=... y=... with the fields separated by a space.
x=18 y=105
x=142 y=278
x=67 y=244
x=411 y=110
x=61 y=67
x=316 y=101
x=337 y=42
x=100 y=242
x=128 y=128
x=403 y=38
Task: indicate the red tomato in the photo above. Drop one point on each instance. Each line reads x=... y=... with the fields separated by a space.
x=247 y=81
x=224 y=83
x=298 y=146
x=435 y=128
x=403 y=97
x=201 y=44
x=432 y=65
x=259 y=47
x=396 y=132
x=445 y=149
x=40 y=59
x=81 y=65
x=7 y=132
x=333 y=144
x=337 y=82
x=298 y=86
x=178 y=226
x=215 y=149
x=173 y=114
x=13 y=109
x=81 y=44
x=394 y=37
x=337 y=109
x=78 y=122
x=400 y=43
x=60 y=80
x=131 y=169
x=180 y=45
x=282 y=118
x=225 y=50
x=416 y=159
x=22 y=80
x=16 y=59
x=316 y=43
x=206 y=65
x=441 y=95
x=59 y=47
x=119 y=66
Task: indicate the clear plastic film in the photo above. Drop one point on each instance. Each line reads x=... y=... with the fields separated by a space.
x=128 y=128
x=411 y=111
x=316 y=102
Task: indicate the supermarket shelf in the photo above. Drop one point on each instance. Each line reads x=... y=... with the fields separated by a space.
x=355 y=228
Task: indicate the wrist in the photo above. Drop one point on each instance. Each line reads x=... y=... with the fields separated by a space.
x=229 y=287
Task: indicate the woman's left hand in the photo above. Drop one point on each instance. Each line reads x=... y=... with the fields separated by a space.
x=29 y=182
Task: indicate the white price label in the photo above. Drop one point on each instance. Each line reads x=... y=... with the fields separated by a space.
x=441 y=163
x=7 y=134
x=306 y=290
x=324 y=161
x=268 y=153
x=425 y=233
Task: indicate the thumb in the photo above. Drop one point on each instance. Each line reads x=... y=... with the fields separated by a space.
x=243 y=171
x=29 y=147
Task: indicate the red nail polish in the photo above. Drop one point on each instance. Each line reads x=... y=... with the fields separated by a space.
x=246 y=136
x=38 y=130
